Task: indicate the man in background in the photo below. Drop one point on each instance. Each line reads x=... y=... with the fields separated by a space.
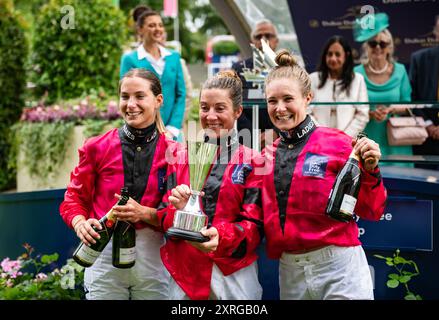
x=264 y=29
x=424 y=78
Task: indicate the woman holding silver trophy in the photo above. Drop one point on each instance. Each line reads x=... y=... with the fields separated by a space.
x=225 y=225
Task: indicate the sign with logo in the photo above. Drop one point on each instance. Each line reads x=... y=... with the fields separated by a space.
x=405 y=224
x=411 y=24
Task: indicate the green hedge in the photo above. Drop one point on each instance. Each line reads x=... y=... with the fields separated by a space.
x=69 y=62
x=13 y=54
x=225 y=48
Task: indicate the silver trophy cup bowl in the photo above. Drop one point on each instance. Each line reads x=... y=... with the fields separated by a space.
x=189 y=221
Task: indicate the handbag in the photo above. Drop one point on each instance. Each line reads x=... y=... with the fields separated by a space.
x=404 y=131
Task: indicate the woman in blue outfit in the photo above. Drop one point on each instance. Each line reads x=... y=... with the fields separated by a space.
x=386 y=81
x=164 y=63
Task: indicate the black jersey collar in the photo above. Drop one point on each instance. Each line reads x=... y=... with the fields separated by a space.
x=299 y=133
x=139 y=135
x=228 y=140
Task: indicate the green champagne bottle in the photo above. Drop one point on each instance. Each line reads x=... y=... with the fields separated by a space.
x=124 y=245
x=344 y=193
x=87 y=255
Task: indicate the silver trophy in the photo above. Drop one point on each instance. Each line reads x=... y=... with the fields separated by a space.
x=189 y=221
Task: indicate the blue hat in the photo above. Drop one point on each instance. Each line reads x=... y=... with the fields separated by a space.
x=369 y=26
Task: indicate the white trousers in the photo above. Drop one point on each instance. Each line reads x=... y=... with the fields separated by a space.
x=148 y=279
x=330 y=273
x=240 y=285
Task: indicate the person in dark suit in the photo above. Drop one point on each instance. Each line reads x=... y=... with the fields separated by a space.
x=424 y=78
x=264 y=29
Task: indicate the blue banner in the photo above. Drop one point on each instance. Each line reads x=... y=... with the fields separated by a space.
x=405 y=224
x=315 y=21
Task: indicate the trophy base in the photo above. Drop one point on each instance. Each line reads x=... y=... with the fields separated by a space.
x=186 y=235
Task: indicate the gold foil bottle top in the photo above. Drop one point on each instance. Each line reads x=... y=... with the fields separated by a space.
x=369 y=160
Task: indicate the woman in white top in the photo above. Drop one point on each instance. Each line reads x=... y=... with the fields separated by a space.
x=335 y=81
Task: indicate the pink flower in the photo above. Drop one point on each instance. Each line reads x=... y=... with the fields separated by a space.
x=9 y=283
x=10 y=266
x=76 y=112
x=15 y=274
x=41 y=276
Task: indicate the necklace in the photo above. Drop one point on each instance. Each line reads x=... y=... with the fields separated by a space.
x=378 y=71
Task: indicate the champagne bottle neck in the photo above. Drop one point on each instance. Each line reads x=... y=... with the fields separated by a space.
x=110 y=217
x=123 y=200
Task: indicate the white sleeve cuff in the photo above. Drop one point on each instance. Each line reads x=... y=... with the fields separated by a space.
x=175 y=132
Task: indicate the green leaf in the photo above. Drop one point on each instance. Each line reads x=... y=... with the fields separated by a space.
x=392 y=283
x=393 y=276
x=378 y=256
x=47 y=259
x=410 y=296
x=404 y=279
x=399 y=260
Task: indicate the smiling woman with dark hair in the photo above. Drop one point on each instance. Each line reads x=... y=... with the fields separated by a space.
x=336 y=81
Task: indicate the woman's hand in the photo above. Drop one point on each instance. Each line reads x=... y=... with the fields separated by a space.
x=369 y=151
x=380 y=114
x=433 y=131
x=85 y=231
x=180 y=196
x=208 y=246
x=134 y=212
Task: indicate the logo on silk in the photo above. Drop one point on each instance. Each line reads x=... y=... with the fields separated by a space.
x=240 y=173
x=161 y=174
x=315 y=165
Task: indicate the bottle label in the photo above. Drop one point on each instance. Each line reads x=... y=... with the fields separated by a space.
x=127 y=255
x=348 y=204
x=87 y=254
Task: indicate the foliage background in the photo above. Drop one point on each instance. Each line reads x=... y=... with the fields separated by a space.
x=44 y=64
x=68 y=62
x=36 y=277
x=13 y=54
x=195 y=12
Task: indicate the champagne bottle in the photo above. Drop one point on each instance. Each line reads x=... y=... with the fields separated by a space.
x=344 y=192
x=87 y=255
x=124 y=245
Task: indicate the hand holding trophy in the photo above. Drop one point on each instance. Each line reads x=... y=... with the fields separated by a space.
x=189 y=221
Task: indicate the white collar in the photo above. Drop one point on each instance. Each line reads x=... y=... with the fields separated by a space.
x=143 y=54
